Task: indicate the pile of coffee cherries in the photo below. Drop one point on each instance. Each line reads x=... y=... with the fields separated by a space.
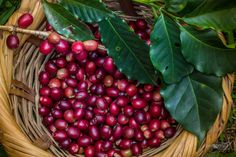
x=91 y=108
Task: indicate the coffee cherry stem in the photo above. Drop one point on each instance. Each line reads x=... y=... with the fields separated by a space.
x=38 y=33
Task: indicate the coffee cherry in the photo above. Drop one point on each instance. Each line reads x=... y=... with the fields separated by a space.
x=164 y=124
x=90 y=45
x=65 y=105
x=111 y=120
x=138 y=135
x=128 y=132
x=51 y=67
x=44 y=91
x=170 y=132
x=62 y=74
x=73 y=148
x=114 y=109
x=61 y=62
x=56 y=93
x=61 y=124
x=140 y=116
x=73 y=132
x=48 y=27
x=122 y=85
x=154 y=125
x=65 y=144
x=155 y=111
x=139 y=103
x=106 y=145
x=125 y=143
x=108 y=65
x=45 y=47
x=154 y=142
x=25 y=20
x=94 y=132
x=44 y=78
x=62 y=46
x=84 y=141
x=141 y=24
x=159 y=134
x=108 y=81
x=131 y=90
x=44 y=111
x=60 y=135
x=45 y=101
x=54 y=83
x=54 y=38
x=122 y=119
x=89 y=151
x=105 y=132
x=12 y=41
x=77 y=47
x=136 y=150
x=83 y=124
x=132 y=25
x=56 y=113
x=69 y=116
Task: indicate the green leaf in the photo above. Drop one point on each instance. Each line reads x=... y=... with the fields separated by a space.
x=65 y=23
x=7 y=8
x=206 y=52
x=218 y=14
x=191 y=5
x=88 y=10
x=4 y=16
x=130 y=53
x=165 y=51
x=195 y=102
x=175 y=5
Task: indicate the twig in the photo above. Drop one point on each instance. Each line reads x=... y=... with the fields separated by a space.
x=40 y=34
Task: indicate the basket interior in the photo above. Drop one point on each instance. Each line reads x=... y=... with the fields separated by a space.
x=28 y=62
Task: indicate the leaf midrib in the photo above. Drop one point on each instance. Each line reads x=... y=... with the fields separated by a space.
x=168 y=38
x=205 y=44
x=68 y=21
x=195 y=100
x=140 y=64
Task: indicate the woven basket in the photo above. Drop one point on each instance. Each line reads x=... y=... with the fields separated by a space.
x=21 y=130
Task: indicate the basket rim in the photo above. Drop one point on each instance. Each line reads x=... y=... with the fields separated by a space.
x=19 y=147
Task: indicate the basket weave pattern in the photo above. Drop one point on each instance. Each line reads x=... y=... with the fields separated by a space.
x=23 y=134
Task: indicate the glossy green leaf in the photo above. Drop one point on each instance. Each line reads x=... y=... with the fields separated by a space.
x=88 y=10
x=65 y=23
x=195 y=102
x=4 y=16
x=206 y=52
x=217 y=14
x=7 y=8
x=191 y=5
x=165 y=51
x=175 y=5
x=130 y=53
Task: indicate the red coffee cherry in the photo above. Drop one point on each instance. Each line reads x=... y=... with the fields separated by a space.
x=25 y=20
